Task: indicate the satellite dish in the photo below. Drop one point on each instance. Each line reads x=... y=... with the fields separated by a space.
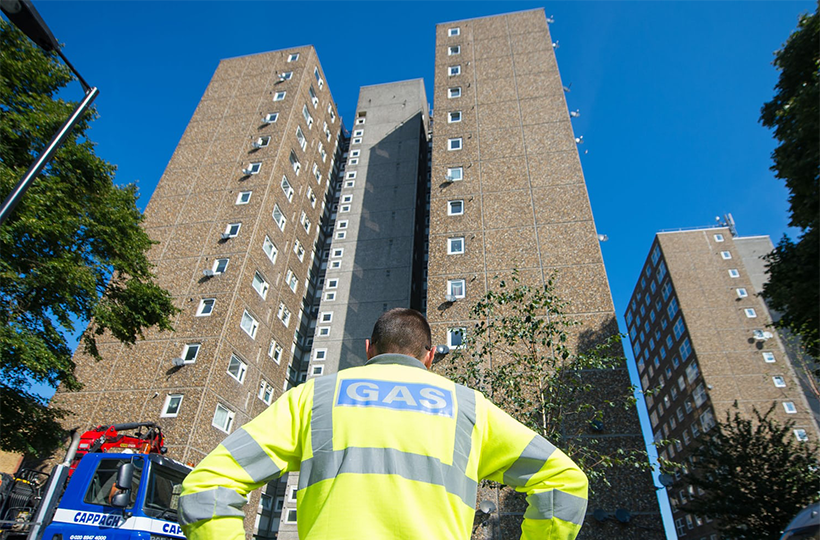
x=486 y=507
x=449 y=298
x=178 y=362
x=666 y=480
x=600 y=514
x=602 y=238
x=622 y=515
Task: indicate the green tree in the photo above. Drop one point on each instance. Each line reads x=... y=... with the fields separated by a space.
x=519 y=354
x=755 y=476
x=73 y=251
x=794 y=114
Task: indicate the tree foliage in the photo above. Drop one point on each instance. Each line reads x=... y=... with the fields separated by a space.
x=518 y=354
x=794 y=114
x=72 y=252
x=755 y=474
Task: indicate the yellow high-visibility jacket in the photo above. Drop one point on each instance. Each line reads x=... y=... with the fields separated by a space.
x=387 y=450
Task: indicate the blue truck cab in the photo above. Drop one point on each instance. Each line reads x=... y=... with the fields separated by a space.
x=94 y=507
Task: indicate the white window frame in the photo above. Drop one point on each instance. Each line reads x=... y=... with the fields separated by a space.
x=283 y=314
x=768 y=357
x=323 y=331
x=262 y=142
x=291 y=280
x=270 y=249
x=229 y=417
x=450 y=206
x=282 y=221
x=206 y=302
x=241 y=368
x=358 y=133
x=232 y=230
x=326 y=317
x=741 y=292
x=300 y=137
x=319 y=355
x=454 y=92
x=289 y=515
x=337 y=253
x=451 y=332
x=779 y=381
x=454 y=117
x=316 y=371
x=355 y=153
x=299 y=250
x=452 y=71
x=455 y=31
x=750 y=313
x=167 y=405
x=454 y=144
x=801 y=435
x=356 y=140
x=341 y=235
x=305 y=221
x=279 y=96
x=733 y=273
x=271 y=118
x=275 y=351
x=244 y=197
x=455 y=174
x=249 y=324
x=726 y=255
x=187 y=348
x=265 y=392
x=253 y=168
x=453 y=50
x=287 y=189
x=220 y=265
x=451 y=242
x=330 y=296
x=353 y=161
x=293 y=57
x=350 y=175
x=718 y=238
x=455 y=284
x=260 y=285
x=789 y=407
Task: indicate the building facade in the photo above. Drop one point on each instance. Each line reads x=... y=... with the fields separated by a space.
x=700 y=335
x=508 y=192
x=282 y=237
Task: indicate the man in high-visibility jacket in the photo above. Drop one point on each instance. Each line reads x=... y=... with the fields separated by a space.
x=387 y=450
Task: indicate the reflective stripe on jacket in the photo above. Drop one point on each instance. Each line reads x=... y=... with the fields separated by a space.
x=385 y=450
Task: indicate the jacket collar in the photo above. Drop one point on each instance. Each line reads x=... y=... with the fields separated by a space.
x=401 y=359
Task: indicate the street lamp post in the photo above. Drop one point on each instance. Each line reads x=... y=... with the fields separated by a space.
x=22 y=14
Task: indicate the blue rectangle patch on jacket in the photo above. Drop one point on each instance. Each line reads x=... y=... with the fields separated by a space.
x=401 y=396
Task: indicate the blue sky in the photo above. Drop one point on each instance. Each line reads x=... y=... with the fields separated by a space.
x=669 y=92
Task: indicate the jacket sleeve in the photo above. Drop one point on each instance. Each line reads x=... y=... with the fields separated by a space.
x=556 y=488
x=215 y=492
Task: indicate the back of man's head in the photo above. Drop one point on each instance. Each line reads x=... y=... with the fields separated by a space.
x=402 y=331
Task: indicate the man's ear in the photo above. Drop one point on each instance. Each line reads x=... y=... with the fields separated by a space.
x=428 y=358
x=369 y=349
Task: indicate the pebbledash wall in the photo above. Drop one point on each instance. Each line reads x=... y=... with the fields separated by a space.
x=282 y=236
x=701 y=335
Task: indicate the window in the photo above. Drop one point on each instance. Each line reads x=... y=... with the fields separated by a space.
x=335 y=264
x=789 y=407
x=270 y=249
x=779 y=382
x=320 y=354
x=361 y=120
x=679 y=328
x=801 y=435
x=672 y=308
x=265 y=391
x=741 y=292
x=305 y=221
x=171 y=406
x=244 y=197
x=279 y=217
x=353 y=161
x=293 y=57
x=350 y=183
x=317 y=370
x=326 y=317
x=358 y=133
x=454 y=174
x=456 y=287
x=455 y=337
x=330 y=296
x=223 y=418
x=455 y=246
x=342 y=224
x=733 y=273
x=306 y=115
x=279 y=96
x=299 y=250
x=454 y=92
x=261 y=142
x=317 y=174
x=768 y=357
x=454 y=31
x=275 y=351
x=685 y=349
x=313 y=97
x=699 y=394
x=290 y=516
x=718 y=238
x=206 y=307
x=294 y=161
x=750 y=313
x=291 y=280
x=454 y=70
x=455 y=208
x=270 y=118
x=453 y=117
x=300 y=136
x=231 y=231
x=726 y=255
x=283 y=314
x=336 y=253
x=260 y=285
x=287 y=189
x=355 y=153
x=311 y=197
x=454 y=144
x=318 y=77
x=453 y=50
x=220 y=265
x=350 y=175
x=190 y=352
x=249 y=324
x=237 y=368
x=286 y=76
x=253 y=168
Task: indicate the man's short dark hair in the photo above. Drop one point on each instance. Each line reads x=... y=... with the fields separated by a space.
x=402 y=331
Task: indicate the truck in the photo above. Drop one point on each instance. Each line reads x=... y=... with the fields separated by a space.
x=110 y=486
